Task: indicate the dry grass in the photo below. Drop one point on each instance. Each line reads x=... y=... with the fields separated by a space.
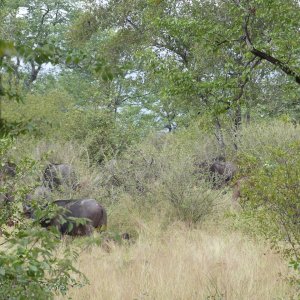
x=183 y=263
x=170 y=261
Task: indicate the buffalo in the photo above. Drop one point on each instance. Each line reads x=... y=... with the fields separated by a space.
x=57 y=175
x=222 y=172
x=89 y=209
x=40 y=193
x=218 y=170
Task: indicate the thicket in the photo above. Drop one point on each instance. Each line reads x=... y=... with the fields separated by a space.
x=269 y=172
x=33 y=263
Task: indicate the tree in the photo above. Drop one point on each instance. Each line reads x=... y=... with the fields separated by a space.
x=202 y=57
x=35 y=25
x=30 y=38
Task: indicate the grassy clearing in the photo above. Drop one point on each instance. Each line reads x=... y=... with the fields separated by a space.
x=184 y=263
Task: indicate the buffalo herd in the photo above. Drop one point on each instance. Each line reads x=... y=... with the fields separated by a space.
x=55 y=177
x=89 y=213
x=81 y=216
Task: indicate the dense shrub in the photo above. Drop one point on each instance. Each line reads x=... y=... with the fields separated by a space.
x=155 y=181
x=42 y=114
x=33 y=265
x=270 y=194
x=102 y=135
x=160 y=173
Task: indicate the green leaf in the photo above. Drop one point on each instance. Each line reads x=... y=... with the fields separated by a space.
x=70 y=226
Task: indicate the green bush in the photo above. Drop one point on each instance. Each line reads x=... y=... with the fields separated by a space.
x=271 y=195
x=160 y=173
x=33 y=262
x=103 y=137
x=191 y=200
x=42 y=114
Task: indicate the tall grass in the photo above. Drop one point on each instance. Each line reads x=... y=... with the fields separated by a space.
x=184 y=263
x=152 y=191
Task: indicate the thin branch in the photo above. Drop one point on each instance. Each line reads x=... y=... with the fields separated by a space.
x=244 y=83
x=134 y=26
x=47 y=11
x=181 y=50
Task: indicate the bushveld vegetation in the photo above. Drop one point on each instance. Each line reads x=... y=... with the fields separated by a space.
x=140 y=98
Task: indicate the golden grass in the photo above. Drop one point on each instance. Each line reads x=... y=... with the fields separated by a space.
x=183 y=263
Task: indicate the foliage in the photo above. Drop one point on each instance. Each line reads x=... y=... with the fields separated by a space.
x=42 y=114
x=103 y=137
x=189 y=58
x=158 y=176
x=270 y=195
x=29 y=265
x=35 y=28
x=33 y=264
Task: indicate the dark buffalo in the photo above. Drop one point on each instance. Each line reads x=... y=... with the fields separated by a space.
x=203 y=168
x=57 y=175
x=88 y=209
x=125 y=236
x=39 y=193
x=218 y=170
x=222 y=172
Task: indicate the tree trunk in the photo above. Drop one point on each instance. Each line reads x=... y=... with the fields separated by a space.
x=219 y=136
x=35 y=70
x=1 y=96
x=237 y=125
